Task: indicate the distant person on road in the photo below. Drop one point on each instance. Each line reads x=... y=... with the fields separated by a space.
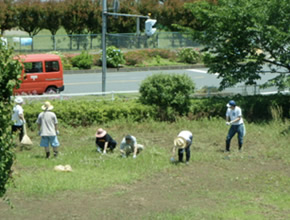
x=182 y=142
x=47 y=126
x=104 y=141
x=129 y=145
x=235 y=120
x=18 y=118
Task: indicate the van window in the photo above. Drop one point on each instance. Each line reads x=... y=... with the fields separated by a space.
x=33 y=67
x=51 y=66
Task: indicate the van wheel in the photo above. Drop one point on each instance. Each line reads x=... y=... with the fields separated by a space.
x=51 y=90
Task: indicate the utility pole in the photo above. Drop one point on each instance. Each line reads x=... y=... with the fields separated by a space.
x=105 y=13
x=104 y=57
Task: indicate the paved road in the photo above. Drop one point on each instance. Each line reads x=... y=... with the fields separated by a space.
x=128 y=81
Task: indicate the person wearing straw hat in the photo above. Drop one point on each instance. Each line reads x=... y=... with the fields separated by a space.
x=182 y=142
x=18 y=117
x=235 y=120
x=129 y=145
x=104 y=141
x=47 y=125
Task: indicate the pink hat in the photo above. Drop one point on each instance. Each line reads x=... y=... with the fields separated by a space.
x=100 y=133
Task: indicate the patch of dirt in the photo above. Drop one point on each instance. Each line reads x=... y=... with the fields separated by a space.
x=168 y=191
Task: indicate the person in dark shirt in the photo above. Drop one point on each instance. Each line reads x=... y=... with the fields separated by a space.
x=104 y=141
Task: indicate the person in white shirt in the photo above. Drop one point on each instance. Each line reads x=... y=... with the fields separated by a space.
x=235 y=120
x=182 y=142
x=47 y=125
x=18 y=117
x=129 y=145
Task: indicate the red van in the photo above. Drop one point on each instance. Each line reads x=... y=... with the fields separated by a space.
x=42 y=73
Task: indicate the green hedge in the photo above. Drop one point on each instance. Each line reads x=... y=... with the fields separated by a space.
x=85 y=113
x=254 y=108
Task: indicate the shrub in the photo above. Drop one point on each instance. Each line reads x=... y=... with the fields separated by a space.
x=10 y=70
x=189 y=55
x=169 y=93
x=115 y=57
x=134 y=58
x=139 y=57
x=82 y=61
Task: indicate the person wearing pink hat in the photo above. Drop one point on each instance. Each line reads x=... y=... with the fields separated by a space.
x=104 y=141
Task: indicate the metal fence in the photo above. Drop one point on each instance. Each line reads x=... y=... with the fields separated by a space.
x=94 y=42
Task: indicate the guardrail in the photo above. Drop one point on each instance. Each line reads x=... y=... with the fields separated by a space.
x=111 y=95
x=62 y=96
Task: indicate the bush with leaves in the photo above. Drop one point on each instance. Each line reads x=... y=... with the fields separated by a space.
x=10 y=70
x=82 y=61
x=189 y=55
x=115 y=57
x=170 y=93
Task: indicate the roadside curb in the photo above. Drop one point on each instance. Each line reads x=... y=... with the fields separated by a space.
x=133 y=69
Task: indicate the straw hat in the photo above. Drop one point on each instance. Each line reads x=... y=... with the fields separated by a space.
x=100 y=133
x=47 y=106
x=18 y=100
x=180 y=142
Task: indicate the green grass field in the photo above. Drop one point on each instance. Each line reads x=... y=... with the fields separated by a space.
x=253 y=184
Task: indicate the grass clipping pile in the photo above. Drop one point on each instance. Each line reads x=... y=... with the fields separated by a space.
x=61 y=168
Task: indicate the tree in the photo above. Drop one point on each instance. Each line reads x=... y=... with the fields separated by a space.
x=94 y=22
x=52 y=15
x=10 y=70
x=7 y=15
x=30 y=17
x=75 y=17
x=241 y=37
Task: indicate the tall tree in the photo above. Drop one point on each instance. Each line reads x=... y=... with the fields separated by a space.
x=242 y=37
x=94 y=22
x=7 y=15
x=52 y=14
x=30 y=17
x=75 y=17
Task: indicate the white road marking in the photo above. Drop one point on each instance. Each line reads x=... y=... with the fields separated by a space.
x=200 y=71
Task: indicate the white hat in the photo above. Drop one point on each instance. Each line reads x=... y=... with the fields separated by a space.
x=19 y=100
x=180 y=142
x=47 y=106
x=100 y=133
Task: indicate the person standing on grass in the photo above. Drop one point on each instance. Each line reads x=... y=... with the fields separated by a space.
x=235 y=120
x=104 y=141
x=47 y=126
x=182 y=142
x=18 y=117
x=129 y=145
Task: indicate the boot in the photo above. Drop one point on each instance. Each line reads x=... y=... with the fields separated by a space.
x=55 y=153
x=227 y=147
x=240 y=147
x=47 y=155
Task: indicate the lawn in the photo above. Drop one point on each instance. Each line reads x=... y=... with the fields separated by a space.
x=252 y=184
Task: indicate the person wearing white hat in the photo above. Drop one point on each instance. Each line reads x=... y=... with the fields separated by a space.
x=18 y=117
x=235 y=120
x=129 y=145
x=47 y=126
x=104 y=141
x=182 y=142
